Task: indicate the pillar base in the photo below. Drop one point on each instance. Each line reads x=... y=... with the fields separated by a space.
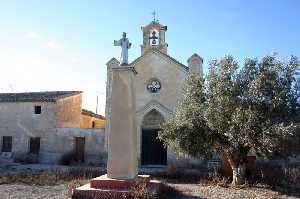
x=104 y=187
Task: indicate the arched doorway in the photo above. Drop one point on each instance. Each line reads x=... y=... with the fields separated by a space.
x=153 y=152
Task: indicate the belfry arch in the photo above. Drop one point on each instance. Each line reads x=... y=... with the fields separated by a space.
x=152 y=150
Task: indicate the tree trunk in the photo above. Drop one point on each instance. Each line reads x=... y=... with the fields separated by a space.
x=238 y=174
x=238 y=177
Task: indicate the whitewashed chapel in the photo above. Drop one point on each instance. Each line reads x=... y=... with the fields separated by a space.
x=157 y=85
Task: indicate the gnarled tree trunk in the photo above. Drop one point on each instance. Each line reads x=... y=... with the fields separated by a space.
x=238 y=174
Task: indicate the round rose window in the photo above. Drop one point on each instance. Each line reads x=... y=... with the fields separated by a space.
x=153 y=86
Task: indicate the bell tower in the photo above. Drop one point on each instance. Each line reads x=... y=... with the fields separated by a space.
x=154 y=36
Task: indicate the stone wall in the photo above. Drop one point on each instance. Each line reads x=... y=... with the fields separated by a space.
x=54 y=143
x=61 y=141
x=87 y=122
x=19 y=121
x=171 y=75
x=56 y=126
x=68 y=112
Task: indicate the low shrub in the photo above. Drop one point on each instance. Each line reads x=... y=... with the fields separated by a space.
x=68 y=158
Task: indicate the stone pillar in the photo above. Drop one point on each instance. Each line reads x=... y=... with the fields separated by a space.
x=195 y=64
x=110 y=64
x=122 y=160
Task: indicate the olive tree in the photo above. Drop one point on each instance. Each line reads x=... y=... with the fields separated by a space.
x=235 y=109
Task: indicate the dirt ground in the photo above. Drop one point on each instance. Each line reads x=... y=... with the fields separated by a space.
x=196 y=191
x=10 y=189
x=186 y=191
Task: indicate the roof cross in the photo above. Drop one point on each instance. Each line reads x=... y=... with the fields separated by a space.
x=154 y=16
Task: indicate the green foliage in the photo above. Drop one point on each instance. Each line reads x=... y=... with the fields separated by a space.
x=237 y=108
x=185 y=133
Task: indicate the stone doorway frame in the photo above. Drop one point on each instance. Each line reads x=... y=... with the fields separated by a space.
x=141 y=113
x=165 y=150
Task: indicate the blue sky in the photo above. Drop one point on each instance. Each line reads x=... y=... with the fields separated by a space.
x=64 y=44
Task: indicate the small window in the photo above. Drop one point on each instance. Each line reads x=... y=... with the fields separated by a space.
x=6 y=143
x=93 y=124
x=37 y=109
x=34 y=145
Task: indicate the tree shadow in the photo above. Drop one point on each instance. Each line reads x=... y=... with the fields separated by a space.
x=283 y=178
x=289 y=191
x=168 y=192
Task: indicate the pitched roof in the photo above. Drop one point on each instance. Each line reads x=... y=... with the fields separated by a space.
x=92 y=114
x=47 y=96
x=163 y=54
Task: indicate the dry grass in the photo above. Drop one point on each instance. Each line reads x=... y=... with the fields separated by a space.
x=69 y=186
x=71 y=179
x=141 y=191
x=281 y=178
x=48 y=177
x=284 y=179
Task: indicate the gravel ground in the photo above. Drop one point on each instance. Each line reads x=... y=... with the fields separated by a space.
x=19 y=191
x=197 y=191
x=190 y=191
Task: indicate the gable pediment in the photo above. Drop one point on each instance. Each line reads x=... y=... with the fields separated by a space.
x=163 y=56
x=154 y=105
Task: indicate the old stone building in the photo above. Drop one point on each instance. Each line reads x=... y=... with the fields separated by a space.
x=49 y=125
x=157 y=87
x=90 y=119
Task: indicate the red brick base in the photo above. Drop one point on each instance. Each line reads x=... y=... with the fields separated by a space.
x=104 y=187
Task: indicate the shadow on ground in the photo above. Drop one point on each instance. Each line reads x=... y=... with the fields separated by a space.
x=168 y=192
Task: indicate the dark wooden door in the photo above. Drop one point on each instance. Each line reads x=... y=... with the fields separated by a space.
x=79 y=148
x=153 y=150
x=7 y=144
x=34 y=145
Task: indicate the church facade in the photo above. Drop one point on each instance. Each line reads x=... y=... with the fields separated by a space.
x=158 y=86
